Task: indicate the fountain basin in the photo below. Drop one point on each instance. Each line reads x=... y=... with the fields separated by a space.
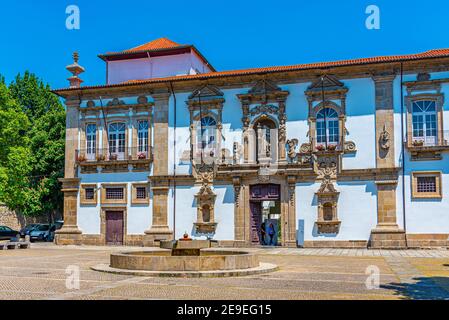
x=165 y=261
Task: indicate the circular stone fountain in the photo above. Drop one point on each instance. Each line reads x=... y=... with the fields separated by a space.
x=186 y=259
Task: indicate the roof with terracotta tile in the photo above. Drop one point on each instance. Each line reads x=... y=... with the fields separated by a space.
x=431 y=54
x=161 y=43
x=158 y=47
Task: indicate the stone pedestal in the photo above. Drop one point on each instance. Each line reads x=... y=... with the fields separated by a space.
x=69 y=234
x=159 y=230
x=387 y=238
x=387 y=234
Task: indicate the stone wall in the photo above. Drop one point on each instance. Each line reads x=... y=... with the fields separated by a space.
x=17 y=221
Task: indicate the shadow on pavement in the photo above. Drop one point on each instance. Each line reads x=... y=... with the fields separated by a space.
x=423 y=289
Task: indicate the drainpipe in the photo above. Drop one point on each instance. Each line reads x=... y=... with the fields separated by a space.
x=174 y=160
x=403 y=155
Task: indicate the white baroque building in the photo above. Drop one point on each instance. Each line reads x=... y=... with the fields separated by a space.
x=336 y=154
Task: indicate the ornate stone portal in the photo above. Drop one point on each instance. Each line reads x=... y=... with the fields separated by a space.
x=205 y=200
x=268 y=102
x=327 y=196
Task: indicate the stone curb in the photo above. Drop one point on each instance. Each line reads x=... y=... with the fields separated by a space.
x=263 y=268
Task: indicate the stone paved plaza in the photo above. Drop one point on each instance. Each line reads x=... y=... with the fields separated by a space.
x=40 y=273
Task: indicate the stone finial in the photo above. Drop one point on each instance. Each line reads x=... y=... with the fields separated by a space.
x=75 y=69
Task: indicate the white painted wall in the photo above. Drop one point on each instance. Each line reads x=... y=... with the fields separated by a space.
x=357 y=209
x=155 y=67
x=186 y=211
x=139 y=217
x=427 y=216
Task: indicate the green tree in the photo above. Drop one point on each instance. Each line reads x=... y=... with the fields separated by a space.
x=14 y=152
x=46 y=143
x=34 y=96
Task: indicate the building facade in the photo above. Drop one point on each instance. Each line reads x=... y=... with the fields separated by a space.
x=340 y=154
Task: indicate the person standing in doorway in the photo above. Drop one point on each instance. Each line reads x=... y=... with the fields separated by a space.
x=263 y=233
x=271 y=233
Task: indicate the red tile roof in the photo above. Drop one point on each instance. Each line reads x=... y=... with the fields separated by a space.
x=437 y=53
x=158 y=47
x=158 y=44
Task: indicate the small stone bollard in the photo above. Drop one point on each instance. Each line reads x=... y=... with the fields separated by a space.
x=27 y=238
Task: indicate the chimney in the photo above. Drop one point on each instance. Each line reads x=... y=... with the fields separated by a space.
x=75 y=69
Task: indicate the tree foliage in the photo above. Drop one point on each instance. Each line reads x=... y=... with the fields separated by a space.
x=14 y=151
x=32 y=136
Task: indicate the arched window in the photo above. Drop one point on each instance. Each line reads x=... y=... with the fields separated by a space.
x=142 y=134
x=207 y=133
x=117 y=140
x=91 y=141
x=425 y=122
x=327 y=127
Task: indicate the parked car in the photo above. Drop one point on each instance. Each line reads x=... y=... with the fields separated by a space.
x=59 y=224
x=43 y=232
x=27 y=230
x=6 y=233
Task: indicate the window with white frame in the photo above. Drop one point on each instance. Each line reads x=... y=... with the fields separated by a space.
x=207 y=133
x=117 y=140
x=91 y=141
x=327 y=127
x=424 y=118
x=142 y=134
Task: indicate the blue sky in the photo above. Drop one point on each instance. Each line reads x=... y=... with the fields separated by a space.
x=232 y=34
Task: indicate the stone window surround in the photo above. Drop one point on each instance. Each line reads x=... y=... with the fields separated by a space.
x=111 y=118
x=196 y=124
x=257 y=104
x=431 y=195
x=83 y=126
x=211 y=104
x=88 y=202
x=123 y=201
x=134 y=199
x=313 y=122
x=439 y=101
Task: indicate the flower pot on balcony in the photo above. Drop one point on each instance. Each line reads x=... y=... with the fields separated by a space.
x=332 y=147
x=100 y=157
x=113 y=157
x=418 y=143
x=141 y=156
x=320 y=147
x=82 y=158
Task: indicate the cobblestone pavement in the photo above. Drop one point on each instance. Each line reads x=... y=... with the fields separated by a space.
x=40 y=273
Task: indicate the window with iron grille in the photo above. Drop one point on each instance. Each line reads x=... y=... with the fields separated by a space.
x=426 y=184
x=115 y=193
x=89 y=193
x=141 y=193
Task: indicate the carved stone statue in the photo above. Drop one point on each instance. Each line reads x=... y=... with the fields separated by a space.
x=384 y=139
x=292 y=144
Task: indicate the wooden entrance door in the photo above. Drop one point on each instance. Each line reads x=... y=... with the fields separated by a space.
x=114 y=228
x=258 y=194
x=256 y=221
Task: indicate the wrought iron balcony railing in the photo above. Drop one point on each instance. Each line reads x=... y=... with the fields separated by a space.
x=113 y=154
x=435 y=139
